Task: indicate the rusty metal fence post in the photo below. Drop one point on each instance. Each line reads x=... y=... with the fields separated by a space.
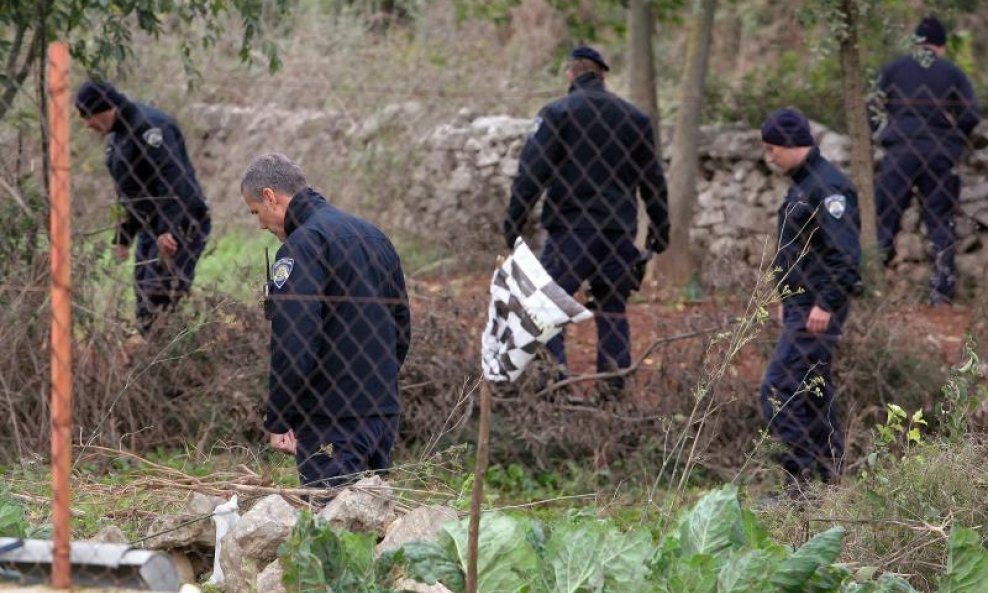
x=61 y=307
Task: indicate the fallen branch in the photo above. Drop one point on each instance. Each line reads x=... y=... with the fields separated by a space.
x=41 y=501
x=628 y=370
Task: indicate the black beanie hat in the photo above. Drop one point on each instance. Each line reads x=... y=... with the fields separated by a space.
x=787 y=127
x=931 y=31
x=97 y=97
x=588 y=53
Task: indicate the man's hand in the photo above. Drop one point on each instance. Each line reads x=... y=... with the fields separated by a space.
x=818 y=321
x=284 y=442
x=167 y=245
x=121 y=252
x=655 y=241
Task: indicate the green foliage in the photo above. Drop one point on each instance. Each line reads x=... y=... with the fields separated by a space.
x=425 y=562
x=708 y=528
x=720 y=547
x=897 y=435
x=319 y=559
x=14 y=520
x=13 y=523
x=20 y=225
x=716 y=547
x=813 y=88
x=505 y=554
x=961 y=396
x=101 y=32
x=233 y=263
x=896 y=516
x=582 y=25
x=584 y=554
x=967 y=563
x=793 y=575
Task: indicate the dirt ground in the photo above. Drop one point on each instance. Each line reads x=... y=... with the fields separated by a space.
x=655 y=314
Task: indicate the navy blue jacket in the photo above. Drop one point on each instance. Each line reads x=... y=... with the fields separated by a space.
x=591 y=152
x=928 y=101
x=819 y=228
x=155 y=181
x=340 y=324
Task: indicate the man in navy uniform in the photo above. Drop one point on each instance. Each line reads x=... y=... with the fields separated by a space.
x=592 y=153
x=340 y=328
x=818 y=261
x=930 y=111
x=163 y=208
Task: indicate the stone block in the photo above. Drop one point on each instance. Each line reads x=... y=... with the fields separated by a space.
x=367 y=506
x=418 y=525
x=264 y=527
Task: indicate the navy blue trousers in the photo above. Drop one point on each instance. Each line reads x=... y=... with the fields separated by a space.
x=797 y=396
x=931 y=173
x=334 y=453
x=160 y=282
x=604 y=260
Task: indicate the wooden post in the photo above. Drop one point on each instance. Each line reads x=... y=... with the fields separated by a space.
x=483 y=438
x=61 y=313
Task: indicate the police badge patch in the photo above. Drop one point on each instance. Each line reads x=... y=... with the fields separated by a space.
x=835 y=205
x=153 y=137
x=535 y=125
x=281 y=270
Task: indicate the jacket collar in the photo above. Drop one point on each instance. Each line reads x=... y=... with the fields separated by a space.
x=803 y=171
x=301 y=207
x=588 y=81
x=125 y=121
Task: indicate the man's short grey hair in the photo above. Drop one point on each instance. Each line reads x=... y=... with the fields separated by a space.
x=275 y=171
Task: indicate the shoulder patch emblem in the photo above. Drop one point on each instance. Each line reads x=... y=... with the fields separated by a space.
x=153 y=137
x=281 y=270
x=835 y=205
x=536 y=124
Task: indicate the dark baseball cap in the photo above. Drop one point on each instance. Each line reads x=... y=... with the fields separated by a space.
x=585 y=52
x=787 y=127
x=931 y=31
x=95 y=97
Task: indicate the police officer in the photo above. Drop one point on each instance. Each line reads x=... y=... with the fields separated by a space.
x=340 y=328
x=163 y=208
x=818 y=260
x=592 y=153
x=930 y=111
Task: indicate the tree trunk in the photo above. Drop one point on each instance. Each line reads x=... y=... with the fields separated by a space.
x=725 y=58
x=44 y=9
x=641 y=76
x=641 y=63
x=862 y=163
x=676 y=263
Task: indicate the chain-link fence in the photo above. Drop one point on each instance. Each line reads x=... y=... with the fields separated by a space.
x=193 y=328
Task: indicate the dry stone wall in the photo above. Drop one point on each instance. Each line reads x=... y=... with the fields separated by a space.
x=454 y=179
x=460 y=190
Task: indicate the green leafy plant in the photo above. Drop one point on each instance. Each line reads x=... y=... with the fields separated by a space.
x=717 y=546
x=319 y=559
x=897 y=427
x=967 y=563
x=13 y=523
x=960 y=395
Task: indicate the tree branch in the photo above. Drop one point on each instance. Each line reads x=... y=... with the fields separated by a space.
x=629 y=370
x=35 y=49
x=15 y=50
